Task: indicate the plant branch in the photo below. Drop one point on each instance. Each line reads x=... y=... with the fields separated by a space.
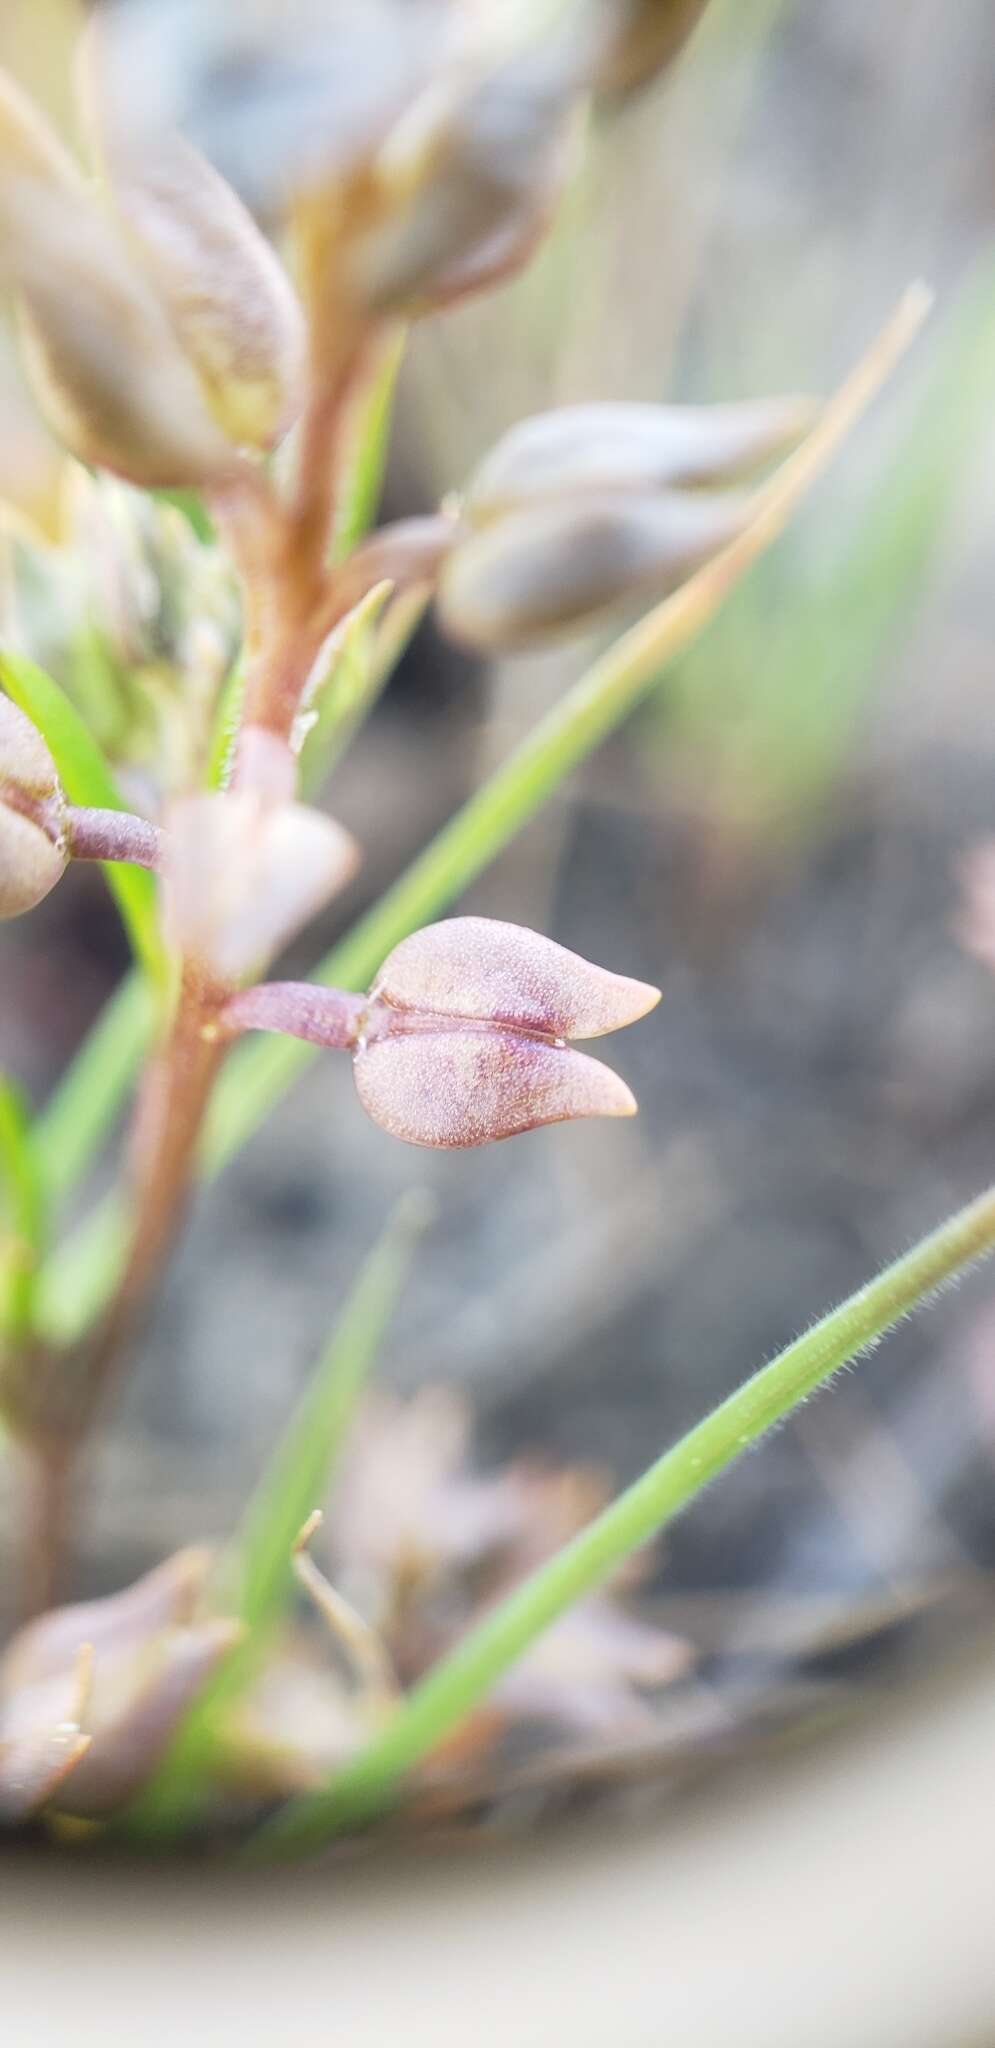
x=113 y=835
x=461 y=1680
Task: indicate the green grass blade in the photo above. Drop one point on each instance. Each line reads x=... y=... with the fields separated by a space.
x=296 y=1478
x=461 y=1680
x=87 y=779
x=22 y=1202
x=361 y=486
x=256 y=1580
x=78 y=1116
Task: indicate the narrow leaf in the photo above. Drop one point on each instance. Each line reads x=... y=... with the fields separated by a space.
x=257 y=1581
x=78 y=1116
x=463 y=1678
x=87 y=779
x=22 y=1204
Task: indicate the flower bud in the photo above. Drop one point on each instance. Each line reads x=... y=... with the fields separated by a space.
x=227 y=296
x=243 y=874
x=33 y=842
x=107 y=372
x=556 y=567
x=646 y=38
x=151 y=1657
x=630 y=448
x=464 y=1038
x=473 y=166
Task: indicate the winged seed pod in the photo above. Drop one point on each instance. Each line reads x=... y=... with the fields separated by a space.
x=630 y=447
x=227 y=296
x=462 y=1039
x=151 y=1657
x=242 y=875
x=106 y=370
x=33 y=837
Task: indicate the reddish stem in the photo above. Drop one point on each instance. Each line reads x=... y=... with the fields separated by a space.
x=323 y=1016
x=113 y=835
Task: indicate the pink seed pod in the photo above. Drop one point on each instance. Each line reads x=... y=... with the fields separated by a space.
x=464 y=1040
x=33 y=837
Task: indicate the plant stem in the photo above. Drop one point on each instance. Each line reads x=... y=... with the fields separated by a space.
x=322 y=1016
x=113 y=835
x=461 y=1680
x=569 y=732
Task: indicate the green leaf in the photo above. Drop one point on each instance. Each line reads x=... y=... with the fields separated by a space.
x=462 y=1679
x=225 y=728
x=21 y=1246
x=87 y=779
x=256 y=1580
x=362 y=481
x=296 y=1478
x=77 y=1118
x=345 y=688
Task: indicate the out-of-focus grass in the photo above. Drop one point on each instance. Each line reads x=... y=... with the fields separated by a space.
x=765 y=707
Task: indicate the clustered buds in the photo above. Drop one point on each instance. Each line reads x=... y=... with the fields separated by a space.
x=33 y=837
x=592 y=506
x=155 y=345
x=463 y=1038
x=91 y=1694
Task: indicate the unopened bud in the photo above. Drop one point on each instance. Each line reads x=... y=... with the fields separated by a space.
x=630 y=448
x=151 y=1657
x=107 y=371
x=33 y=838
x=464 y=184
x=464 y=1038
x=647 y=37
x=557 y=567
x=227 y=296
x=244 y=874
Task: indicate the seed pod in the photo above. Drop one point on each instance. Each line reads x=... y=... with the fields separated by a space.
x=33 y=842
x=629 y=448
x=107 y=372
x=151 y=1657
x=227 y=296
x=463 y=1042
x=243 y=875
x=648 y=36
x=546 y=571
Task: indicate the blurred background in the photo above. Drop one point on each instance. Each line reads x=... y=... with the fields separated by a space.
x=789 y=838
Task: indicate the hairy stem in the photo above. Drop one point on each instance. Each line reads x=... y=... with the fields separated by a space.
x=461 y=1680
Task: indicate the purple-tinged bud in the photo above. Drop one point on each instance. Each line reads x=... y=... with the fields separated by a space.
x=646 y=37
x=42 y=1738
x=227 y=295
x=630 y=448
x=33 y=832
x=106 y=369
x=151 y=1657
x=559 y=566
x=464 y=1039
